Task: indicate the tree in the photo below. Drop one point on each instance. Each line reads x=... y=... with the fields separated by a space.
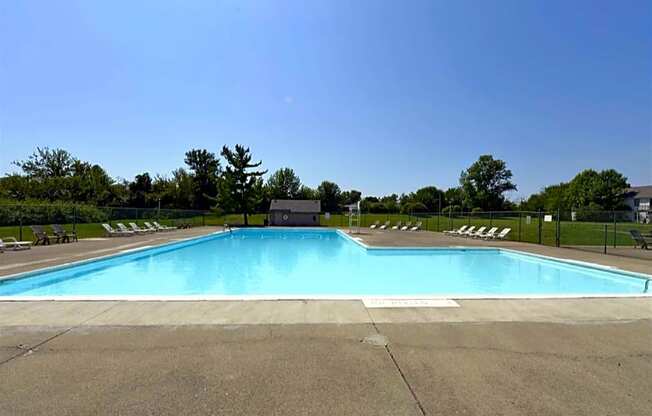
x=243 y=187
x=139 y=190
x=485 y=182
x=330 y=196
x=306 y=192
x=351 y=197
x=454 y=197
x=603 y=190
x=283 y=184
x=46 y=163
x=205 y=169
x=430 y=196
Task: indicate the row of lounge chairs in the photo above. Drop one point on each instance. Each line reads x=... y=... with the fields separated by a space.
x=399 y=226
x=59 y=234
x=470 y=231
x=134 y=229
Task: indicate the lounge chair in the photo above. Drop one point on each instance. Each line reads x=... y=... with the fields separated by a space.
x=468 y=231
x=406 y=226
x=150 y=227
x=123 y=228
x=500 y=236
x=110 y=232
x=40 y=235
x=458 y=231
x=417 y=226
x=397 y=226
x=384 y=226
x=640 y=239
x=488 y=234
x=479 y=231
x=62 y=234
x=135 y=228
x=374 y=225
x=10 y=243
x=164 y=227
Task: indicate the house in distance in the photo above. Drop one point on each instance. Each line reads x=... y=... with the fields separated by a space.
x=301 y=212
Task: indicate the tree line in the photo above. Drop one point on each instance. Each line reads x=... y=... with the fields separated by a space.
x=233 y=182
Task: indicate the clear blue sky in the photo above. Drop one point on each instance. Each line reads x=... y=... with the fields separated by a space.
x=381 y=96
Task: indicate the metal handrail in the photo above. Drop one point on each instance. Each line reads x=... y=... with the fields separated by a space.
x=647 y=285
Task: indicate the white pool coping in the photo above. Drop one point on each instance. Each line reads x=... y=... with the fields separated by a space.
x=299 y=297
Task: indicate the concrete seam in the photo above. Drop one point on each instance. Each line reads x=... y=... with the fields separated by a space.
x=57 y=335
x=398 y=368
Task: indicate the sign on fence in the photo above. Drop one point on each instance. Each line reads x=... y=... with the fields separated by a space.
x=547 y=218
x=528 y=219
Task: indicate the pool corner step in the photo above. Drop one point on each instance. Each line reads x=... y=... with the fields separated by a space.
x=409 y=303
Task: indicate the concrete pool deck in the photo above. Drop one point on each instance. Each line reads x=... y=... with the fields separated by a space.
x=509 y=356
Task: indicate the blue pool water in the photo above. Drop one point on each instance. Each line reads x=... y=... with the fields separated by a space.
x=318 y=262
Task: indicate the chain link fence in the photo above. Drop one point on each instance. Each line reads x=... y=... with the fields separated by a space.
x=86 y=220
x=596 y=231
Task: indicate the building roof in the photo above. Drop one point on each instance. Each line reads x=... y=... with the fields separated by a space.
x=640 y=191
x=296 y=205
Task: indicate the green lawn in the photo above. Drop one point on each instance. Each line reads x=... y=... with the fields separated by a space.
x=572 y=233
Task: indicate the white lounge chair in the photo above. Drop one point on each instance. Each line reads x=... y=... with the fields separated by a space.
x=374 y=225
x=135 y=228
x=111 y=232
x=123 y=228
x=479 y=231
x=406 y=226
x=164 y=227
x=397 y=226
x=10 y=243
x=488 y=234
x=458 y=231
x=468 y=231
x=417 y=226
x=384 y=226
x=501 y=235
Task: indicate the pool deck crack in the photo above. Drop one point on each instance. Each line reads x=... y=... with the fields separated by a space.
x=398 y=367
x=34 y=348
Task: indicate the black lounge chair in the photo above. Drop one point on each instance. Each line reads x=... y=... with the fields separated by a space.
x=640 y=239
x=40 y=235
x=62 y=234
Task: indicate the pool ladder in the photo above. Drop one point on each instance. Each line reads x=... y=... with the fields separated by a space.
x=228 y=227
x=647 y=285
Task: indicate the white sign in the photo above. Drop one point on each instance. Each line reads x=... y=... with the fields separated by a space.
x=547 y=218
x=528 y=219
x=327 y=215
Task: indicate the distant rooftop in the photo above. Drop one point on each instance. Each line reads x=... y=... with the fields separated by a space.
x=296 y=205
x=640 y=191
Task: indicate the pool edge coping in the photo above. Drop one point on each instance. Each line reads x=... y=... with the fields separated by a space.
x=358 y=241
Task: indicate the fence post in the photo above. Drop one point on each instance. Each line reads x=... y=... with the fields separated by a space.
x=539 y=238
x=558 y=229
x=203 y=219
x=491 y=219
x=606 y=231
x=74 y=218
x=438 y=215
x=450 y=219
x=20 y=223
x=613 y=212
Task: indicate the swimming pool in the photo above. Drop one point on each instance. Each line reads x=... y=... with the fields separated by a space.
x=306 y=263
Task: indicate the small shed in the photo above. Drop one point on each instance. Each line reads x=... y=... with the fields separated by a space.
x=300 y=212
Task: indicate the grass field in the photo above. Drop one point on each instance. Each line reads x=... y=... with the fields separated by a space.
x=572 y=233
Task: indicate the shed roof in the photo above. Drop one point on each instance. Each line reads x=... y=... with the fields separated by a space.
x=640 y=191
x=296 y=205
